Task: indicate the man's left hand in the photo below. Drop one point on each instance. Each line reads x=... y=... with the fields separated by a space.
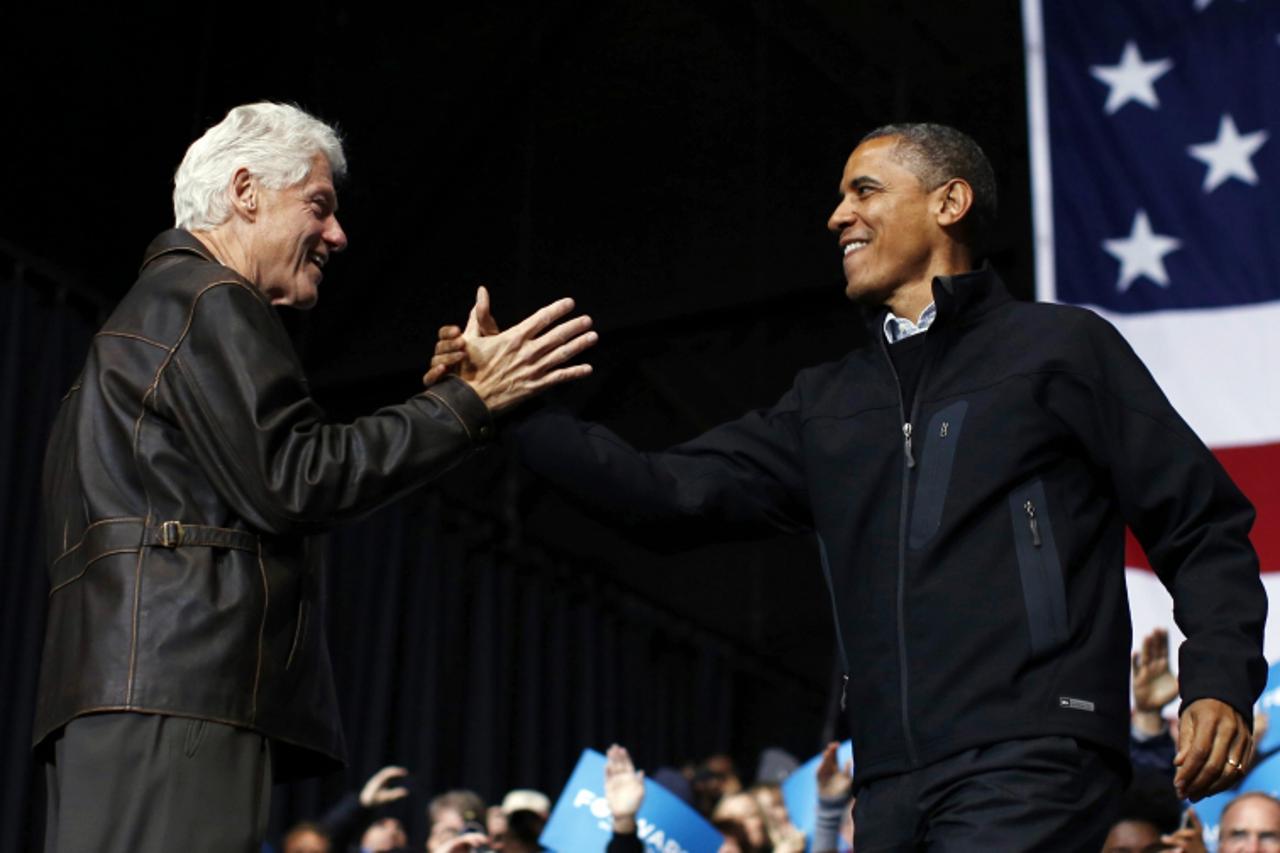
x=1214 y=748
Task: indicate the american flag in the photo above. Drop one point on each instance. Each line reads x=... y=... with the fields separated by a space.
x=1155 y=136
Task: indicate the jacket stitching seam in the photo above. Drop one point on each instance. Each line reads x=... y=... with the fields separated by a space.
x=133 y=632
x=129 y=706
x=118 y=520
x=262 y=629
x=177 y=250
x=442 y=401
x=131 y=336
x=137 y=432
x=95 y=559
x=268 y=507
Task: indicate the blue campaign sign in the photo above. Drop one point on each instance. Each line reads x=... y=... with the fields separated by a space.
x=581 y=822
x=1265 y=776
x=1269 y=704
x=800 y=790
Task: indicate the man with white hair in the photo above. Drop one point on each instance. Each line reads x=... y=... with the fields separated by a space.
x=185 y=661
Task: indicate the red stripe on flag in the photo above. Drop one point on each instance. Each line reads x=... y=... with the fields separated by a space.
x=1256 y=471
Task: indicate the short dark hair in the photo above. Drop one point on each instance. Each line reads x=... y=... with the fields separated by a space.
x=936 y=153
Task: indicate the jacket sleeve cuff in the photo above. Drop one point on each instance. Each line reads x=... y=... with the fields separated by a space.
x=465 y=404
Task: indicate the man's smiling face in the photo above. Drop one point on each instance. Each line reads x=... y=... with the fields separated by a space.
x=884 y=221
x=295 y=232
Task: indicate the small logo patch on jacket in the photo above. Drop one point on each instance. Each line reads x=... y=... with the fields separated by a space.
x=1075 y=704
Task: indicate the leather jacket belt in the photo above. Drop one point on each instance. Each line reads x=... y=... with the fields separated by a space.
x=110 y=536
x=175 y=534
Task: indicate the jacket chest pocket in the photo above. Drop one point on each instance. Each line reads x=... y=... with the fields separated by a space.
x=942 y=437
x=1043 y=588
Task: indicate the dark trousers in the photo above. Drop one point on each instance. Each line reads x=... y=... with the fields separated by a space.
x=145 y=782
x=1047 y=793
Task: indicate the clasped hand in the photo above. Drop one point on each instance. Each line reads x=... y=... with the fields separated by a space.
x=505 y=368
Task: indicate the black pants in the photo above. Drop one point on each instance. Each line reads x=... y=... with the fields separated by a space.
x=1047 y=793
x=144 y=782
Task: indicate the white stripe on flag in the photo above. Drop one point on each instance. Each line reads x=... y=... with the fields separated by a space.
x=1218 y=367
x=1152 y=607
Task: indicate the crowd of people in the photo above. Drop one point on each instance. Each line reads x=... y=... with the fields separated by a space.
x=1152 y=816
x=754 y=818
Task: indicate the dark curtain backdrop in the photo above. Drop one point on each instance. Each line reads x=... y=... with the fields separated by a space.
x=43 y=345
x=463 y=648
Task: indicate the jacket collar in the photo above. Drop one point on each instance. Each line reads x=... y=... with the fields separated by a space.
x=176 y=241
x=969 y=294
x=958 y=297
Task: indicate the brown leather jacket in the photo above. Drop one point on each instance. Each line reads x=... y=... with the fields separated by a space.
x=186 y=475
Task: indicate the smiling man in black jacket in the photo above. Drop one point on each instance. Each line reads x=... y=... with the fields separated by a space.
x=969 y=474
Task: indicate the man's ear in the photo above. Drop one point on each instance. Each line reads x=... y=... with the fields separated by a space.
x=244 y=194
x=954 y=200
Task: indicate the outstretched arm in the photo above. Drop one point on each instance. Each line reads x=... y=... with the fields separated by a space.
x=235 y=388
x=747 y=472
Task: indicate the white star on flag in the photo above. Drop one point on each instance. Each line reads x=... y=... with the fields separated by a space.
x=1131 y=79
x=1229 y=155
x=1141 y=253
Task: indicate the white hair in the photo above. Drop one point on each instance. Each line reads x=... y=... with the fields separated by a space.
x=275 y=142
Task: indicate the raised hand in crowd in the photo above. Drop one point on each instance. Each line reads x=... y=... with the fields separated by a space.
x=376 y=792
x=623 y=788
x=1154 y=684
x=784 y=835
x=741 y=809
x=833 y=783
x=791 y=839
x=835 y=793
x=505 y=368
x=1189 y=839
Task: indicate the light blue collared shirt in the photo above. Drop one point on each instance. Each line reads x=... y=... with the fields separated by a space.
x=898 y=329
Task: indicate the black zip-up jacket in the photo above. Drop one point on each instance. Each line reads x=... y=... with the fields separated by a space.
x=973 y=546
x=186 y=476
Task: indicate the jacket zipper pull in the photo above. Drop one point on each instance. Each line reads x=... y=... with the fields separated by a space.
x=906 y=444
x=1035 y=525
x=844 y=691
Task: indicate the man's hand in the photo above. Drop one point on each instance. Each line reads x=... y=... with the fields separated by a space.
x=1214 y=748
x=832 y=783
x=1153 y=684
x=505 y=368
x=792 y=840
x=1187 y=840
x=376 y=793
x=623 y=788
x=450 y=348
x=463 y=843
